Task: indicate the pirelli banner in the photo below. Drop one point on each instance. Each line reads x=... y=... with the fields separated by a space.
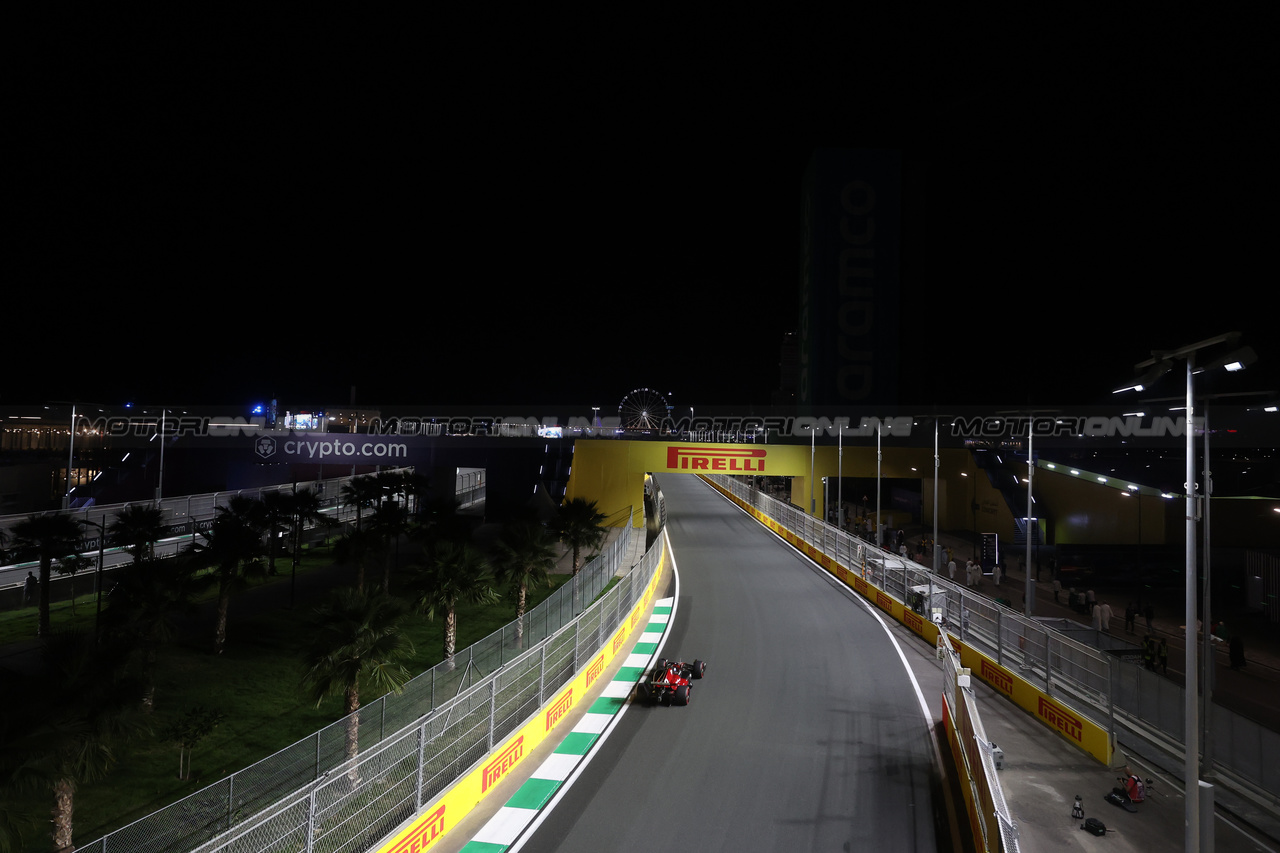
x=611 y=473
x=1080 y=731
x=442 y=815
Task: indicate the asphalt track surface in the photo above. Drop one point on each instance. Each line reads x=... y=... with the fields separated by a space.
x=807 y=733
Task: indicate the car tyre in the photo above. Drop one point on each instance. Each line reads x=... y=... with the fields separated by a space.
x=682 y=694
x=699 y=668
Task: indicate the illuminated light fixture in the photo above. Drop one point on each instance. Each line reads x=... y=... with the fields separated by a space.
x=1074 y=471
x=1102 y=479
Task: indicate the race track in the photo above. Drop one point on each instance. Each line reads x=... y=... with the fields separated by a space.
x=806 y=734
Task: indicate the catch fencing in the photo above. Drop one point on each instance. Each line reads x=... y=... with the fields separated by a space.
x=1101 y=686
x=315 y=796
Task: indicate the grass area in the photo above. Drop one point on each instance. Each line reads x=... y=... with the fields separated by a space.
x=255 y=683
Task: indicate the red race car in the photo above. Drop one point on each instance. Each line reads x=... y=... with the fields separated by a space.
x=669 y=682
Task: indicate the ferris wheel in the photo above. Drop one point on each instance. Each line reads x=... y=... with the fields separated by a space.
x=643 y=408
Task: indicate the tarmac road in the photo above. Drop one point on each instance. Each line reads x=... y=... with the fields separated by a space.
x=806 y=734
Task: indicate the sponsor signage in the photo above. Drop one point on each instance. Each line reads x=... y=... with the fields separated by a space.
x=694 y=458
x=423 y=835
x=559 y=708
x=502 y=762
x=1058 y=718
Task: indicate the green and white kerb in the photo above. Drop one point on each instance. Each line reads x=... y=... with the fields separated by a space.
x=505 y=827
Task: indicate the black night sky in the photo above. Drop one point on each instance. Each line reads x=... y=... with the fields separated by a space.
x=448 y=212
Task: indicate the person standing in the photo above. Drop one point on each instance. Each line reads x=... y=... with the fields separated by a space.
x=1163 y=656
x=1150 y=613
x=951 y=567
x=1237 y=651
x=29 y=589
x=1106 y=616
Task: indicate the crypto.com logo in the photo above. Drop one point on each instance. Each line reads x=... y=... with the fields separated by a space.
x=265 y=447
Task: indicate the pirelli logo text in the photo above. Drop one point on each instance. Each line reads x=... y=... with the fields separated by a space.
x=559 y=709
x=423 y=835
x=913 y=621
x=883 y=601
x=997 y=678
x=593 y=671
x=502 y=762
x=618 y=639
x=1061 y=720
x=681 y=458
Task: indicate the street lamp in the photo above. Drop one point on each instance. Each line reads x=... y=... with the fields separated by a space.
x=1162 y=362
x=97 y=582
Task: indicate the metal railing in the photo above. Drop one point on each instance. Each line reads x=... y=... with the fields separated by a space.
x=1098 y=685
x=411 y=745
x=977 y=760
x=184 y=518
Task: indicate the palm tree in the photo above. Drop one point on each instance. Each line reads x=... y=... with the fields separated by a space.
x=304 y=508
x=146 y=604
x=579 y=527
x=74 y=712
x=137 y=528
x=50 y=537
x=458 y=574
x=418 y=486
x=356 y=639
x=277 y=513
x=70 y=565
x=524 y=558
x=360 y=492
x=364 y=549
x=233 y=548
x=389 y=522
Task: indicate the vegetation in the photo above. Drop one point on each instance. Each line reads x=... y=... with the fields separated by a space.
x=95 y=727
x=49 y=537
x=579 y=526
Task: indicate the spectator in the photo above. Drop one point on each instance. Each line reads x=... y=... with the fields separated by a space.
x=1106 y=616
x=29 y=589
x=951 y=566
x=1237 y=652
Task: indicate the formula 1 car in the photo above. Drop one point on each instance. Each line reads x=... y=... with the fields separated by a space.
x=669 y=682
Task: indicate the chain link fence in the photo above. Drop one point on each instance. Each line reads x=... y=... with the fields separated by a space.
x=411 y=745
x=1099 y=685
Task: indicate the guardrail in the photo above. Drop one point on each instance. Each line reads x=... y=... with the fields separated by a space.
x=975 y=756
x=183 y=518
x=1102 y=688
x=412 y=744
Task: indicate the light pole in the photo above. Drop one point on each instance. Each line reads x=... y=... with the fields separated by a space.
x=97 y=581
x=813 y=432
x=1161 y=363
x=878 y=457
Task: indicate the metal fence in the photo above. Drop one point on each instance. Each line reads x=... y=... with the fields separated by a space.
x=1097 y=684
x=184 y=518
x=977 y=760
x=312 y=796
